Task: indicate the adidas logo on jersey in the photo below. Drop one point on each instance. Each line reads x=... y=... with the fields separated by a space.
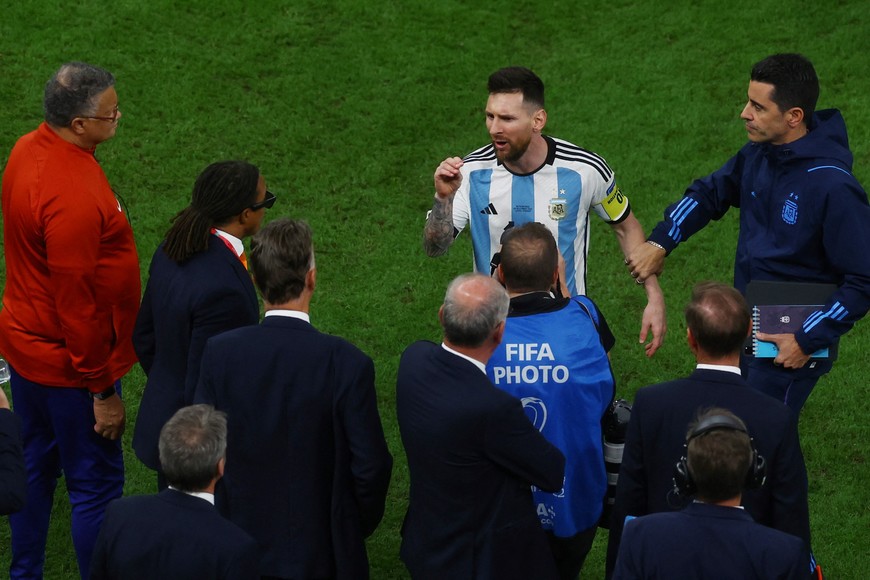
x=489 y=210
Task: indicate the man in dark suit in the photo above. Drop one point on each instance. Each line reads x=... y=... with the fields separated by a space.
x=718 y=323
x=712 y=537
x=308 y=466
x=178 y=533
x=472 y=453
x=198 y=287
x=13 y=477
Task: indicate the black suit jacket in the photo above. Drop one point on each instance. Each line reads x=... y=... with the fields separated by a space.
x=657 y=431
x=473 y=455
x=307 y=464
x=183 y=306
x=13 y=477
x=708 y=541
x=171 y=535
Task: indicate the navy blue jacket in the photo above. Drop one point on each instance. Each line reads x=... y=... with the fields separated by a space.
x=13 y=477
x=184 y=305
x=803 y=218
x=307 y=463
x=472 y=457
x=708 y=541
x=657 y=431
x=171 y=535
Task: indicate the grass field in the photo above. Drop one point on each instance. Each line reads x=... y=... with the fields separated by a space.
x=347 y=108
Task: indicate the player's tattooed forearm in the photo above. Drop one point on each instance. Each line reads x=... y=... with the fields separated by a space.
x=438 y=233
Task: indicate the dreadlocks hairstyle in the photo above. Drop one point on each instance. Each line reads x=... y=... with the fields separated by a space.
x=222 y=191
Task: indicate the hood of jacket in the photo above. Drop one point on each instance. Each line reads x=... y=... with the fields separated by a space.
x=826 y=142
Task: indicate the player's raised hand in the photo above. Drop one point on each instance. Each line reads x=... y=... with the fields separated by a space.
x=447 y=177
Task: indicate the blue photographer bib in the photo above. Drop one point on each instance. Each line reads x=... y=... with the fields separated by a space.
x=555 y=364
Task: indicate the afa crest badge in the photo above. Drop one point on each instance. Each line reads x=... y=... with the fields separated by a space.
x=790 y=210
x=558 y=209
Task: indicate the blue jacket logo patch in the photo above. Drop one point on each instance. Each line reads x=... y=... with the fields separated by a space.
x=790 y=210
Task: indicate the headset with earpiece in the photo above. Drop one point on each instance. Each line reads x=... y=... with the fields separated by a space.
x=684 y=486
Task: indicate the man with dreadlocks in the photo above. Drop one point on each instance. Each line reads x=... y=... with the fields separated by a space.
x=199 y=286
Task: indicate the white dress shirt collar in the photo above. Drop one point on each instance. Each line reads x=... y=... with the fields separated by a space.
x=726 y=368
x=235 y=242
x=476 y=362
x=209 y=497
x=290 y=314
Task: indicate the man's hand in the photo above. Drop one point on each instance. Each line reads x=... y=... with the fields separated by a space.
x=110 y=416
x=654 y=318
x=447 y=177
x=791 y=355
x=645 y=260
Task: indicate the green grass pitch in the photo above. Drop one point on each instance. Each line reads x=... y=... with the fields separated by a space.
x=347 y=107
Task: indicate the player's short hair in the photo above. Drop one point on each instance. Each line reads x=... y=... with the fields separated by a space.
x=517 y=79
x=718 y=317
x=281 y=255
x=719 y=459
x=474 y=305
x=794 y=81
x=222 y=191
x=191 y=444
x=73 y=91
x=529 y=257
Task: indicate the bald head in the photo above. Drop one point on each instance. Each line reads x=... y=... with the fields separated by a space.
x=718 y=318
x=73 y=92
x=474 y=306
x=529 y=258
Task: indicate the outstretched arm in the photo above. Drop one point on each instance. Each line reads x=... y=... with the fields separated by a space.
x=630 y=235
x=439 y=231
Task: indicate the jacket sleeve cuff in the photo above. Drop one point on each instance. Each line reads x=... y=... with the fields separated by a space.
x=98 y=384
x=662 y=240
x=809 y=344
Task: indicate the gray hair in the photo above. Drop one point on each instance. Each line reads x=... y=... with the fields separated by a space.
x=72 y=92
x=191 y=444
x=282 y=254
x=473 y=306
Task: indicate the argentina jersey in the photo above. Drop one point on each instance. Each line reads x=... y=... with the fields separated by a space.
x=559 y=195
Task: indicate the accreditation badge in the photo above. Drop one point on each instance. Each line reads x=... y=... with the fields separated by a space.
x=558 y=208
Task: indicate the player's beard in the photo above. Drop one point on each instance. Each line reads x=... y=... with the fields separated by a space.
x=514 y=152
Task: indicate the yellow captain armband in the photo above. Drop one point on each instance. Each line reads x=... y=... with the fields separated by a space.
x=615 y=204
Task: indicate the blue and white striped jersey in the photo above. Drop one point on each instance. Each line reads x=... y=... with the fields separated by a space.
x=559 y=195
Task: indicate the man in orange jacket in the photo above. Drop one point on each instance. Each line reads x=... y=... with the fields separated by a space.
x=70 y=302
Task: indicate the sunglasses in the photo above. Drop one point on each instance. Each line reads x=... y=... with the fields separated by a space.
x=268 y=202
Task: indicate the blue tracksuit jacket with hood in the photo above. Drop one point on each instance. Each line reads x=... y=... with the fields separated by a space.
x=803 y=217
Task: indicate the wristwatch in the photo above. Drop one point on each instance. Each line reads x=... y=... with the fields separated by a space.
x=103 y=395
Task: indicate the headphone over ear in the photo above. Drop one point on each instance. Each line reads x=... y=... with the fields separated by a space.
x=684 y=486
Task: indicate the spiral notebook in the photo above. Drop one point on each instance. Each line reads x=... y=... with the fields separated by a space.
x=780 y=319
x=782 y=307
